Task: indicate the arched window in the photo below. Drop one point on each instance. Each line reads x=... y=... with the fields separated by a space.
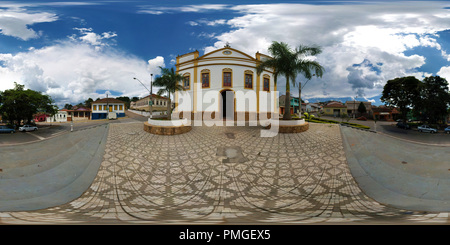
x=266 y=83
x=187 y=81
x=227 y=77
x=248 y=79
x=205 y=78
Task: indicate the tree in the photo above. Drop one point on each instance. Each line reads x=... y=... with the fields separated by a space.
x=435 y=98
x=170 y=82
x=68 y=107
x=289 y=63
x=362 y=108
x=125 y=99
x=19 y=105
x=403 y=92
x=88 y=102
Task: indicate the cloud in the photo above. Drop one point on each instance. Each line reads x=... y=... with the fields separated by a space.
x=75 y=70
x=17 y=18
x=444 y=72
x=16 y=22
x=157 y=10
x=207 y=22
x=349 y=34
x=98 y=40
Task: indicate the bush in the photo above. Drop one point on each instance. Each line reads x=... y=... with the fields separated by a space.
x=320 y=120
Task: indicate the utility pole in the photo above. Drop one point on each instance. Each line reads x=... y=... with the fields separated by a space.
x=150 y=100
x=151 y=96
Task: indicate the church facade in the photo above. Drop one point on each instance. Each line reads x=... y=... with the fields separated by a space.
x=224 y=84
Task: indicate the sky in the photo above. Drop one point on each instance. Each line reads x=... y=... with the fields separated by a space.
x=73 y=51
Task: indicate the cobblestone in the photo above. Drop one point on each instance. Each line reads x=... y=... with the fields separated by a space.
x=288 y=179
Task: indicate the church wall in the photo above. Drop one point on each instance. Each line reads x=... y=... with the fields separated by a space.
x=207 y=100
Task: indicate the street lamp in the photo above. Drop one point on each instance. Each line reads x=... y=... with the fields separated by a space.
x=151 y=96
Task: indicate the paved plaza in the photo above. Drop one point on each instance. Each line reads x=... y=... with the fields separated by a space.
x=210 y=175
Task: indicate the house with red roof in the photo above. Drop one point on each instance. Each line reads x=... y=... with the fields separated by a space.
x=107 y=108
x=335 y=109
x=77 y=113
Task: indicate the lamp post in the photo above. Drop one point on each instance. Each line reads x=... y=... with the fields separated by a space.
x=151 y=96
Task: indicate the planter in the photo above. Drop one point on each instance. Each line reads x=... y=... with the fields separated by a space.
x=291 y=126
x=167 y=127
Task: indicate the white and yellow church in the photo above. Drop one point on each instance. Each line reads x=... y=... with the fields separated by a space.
x=224 y=84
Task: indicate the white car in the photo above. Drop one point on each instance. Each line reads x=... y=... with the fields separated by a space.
x=26 y=128
x=426 y=128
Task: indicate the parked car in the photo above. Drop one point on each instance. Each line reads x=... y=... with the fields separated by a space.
x=362 y=118
x=26 y=128
x=403 y=125
x=426 y=128
x=5 y=129
x=447 y=130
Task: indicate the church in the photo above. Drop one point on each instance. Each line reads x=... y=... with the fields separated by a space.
x=224 y=84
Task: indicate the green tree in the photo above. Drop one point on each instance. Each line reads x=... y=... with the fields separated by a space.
x=125 y=99
x=402 y=92
x=362 y=108
x=170 y=82
x=88 y=102
x=289 y=63
x=68 y=107
x=19 y=105
x=435 y=98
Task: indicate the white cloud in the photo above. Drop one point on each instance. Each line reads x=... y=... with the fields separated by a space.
x=16 y=22
x=73 y=71
x=188 y=8
x=87 y=35
x=348 y=34
x=444 y=72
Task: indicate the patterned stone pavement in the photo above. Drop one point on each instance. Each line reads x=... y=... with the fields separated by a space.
x=223 y=175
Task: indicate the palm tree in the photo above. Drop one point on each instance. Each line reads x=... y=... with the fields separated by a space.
x=170 y=82
x=289 y=63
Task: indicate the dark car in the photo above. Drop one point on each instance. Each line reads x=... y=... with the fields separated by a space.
x=5 y=129
x=447 y=130
x=403 y=125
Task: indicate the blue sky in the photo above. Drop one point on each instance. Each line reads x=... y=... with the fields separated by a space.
x=78 y=50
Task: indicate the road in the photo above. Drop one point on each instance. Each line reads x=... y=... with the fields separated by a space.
x=50 y=130
x=412 y=135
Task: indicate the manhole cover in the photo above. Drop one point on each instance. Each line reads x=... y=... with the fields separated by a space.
x=233 y=154
x=230 y=135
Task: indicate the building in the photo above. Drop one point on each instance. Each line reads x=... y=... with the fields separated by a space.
x=76 y=114
x=41 y=117
x=335 y=109
x=385 y=113
x=60 y=116
x=159 y=104
x=294 y=104
x=107 y=108
x=352 y=108
x=312 y=108
x=224 y=84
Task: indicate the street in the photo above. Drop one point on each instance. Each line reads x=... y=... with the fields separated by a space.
x=54 y=129
x=389 y=128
